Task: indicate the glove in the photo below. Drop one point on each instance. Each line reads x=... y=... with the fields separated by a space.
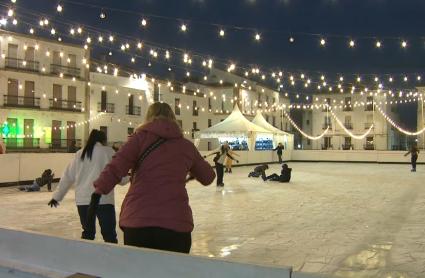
x=53 y=203
x=91 y=211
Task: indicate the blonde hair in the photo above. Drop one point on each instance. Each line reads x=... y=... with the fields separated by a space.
x=159 y=110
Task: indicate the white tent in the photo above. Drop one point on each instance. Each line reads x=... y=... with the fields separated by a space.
x=234 y=124
x=260 y=121
x=280 y=135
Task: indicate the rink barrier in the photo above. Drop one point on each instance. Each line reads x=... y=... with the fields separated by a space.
x=68 y=257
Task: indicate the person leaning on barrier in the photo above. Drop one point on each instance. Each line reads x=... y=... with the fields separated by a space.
x=155 y=213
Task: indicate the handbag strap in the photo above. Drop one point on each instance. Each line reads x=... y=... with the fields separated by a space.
x=146 y=153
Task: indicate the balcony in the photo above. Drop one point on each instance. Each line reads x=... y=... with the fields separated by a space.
x=369 y=147
x=348 y=125
x=327 y=147
x=367 y=125
x=106 y=107
x=63 y=144
x=325 y=126
x=133 y=110
x=368 y=107
x=347 y=147
x=24 y=102
x=65 y=105
x=13 y=63
x=22 y=143
x=67 y=71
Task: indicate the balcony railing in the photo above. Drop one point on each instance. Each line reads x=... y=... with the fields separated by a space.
x=63 y=144
x=18 y=101
x=106 y=108
x=369 y=107
x=22 y=143
x=398 y=148
x=346 y=147
x=347 y=108
x=327 y=147
x=67 y=71
x=59 y=104
x=325 y=126
x=14 y=63
x=367 y=125
x=369 y=147
x=133 y=110
x=348 y=125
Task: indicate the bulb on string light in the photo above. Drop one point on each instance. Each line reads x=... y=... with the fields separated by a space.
x=419 y=78
x=378 y=44
x=79 y=30
x=72 y=31
x=183 y=27
x=133 y=60
x=100 y=39
x=291 y=39
x=341 y=78
x=15 y=21
x=403 y=44
x=257 y=37
x=31 y=31
x=322 y=42
x=144 y=22
x=221 y=33
x=53 y=31
x=10 y=13
x=390 y=79
x=102 y=15
x=167 y=55
x=405 y=79
x=352 y=43
x=59 y=8
x=139 y=45
x=13 y=1
x=111 y=38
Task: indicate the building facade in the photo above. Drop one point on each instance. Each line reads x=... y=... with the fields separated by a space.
x=44 y=85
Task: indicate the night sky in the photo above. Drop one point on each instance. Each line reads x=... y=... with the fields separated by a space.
x=365 y=21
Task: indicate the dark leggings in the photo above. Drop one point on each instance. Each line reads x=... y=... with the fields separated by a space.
x=158 y=238
x=414 y=159
x=106 y=216
x=219 y=168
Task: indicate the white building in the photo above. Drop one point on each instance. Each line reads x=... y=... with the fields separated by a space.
x=45 y=92
x=356 y=113
x=197 y=105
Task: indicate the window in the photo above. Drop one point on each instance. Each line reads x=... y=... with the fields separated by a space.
x=209 y=123
x=307 y=122
x=348 y=123
x=194 y=109
x=274 y=121
x=267 y=100
x=222 y=106
x=156 y=96
x=259 y=100
x=103 y=100
x=130 y=131
x=104 y=129
x=57 y=58
x=72 y=98
x=12 y=51
x=328 y=143
x=72 y=61
x=347 y=104
x=177 y=106
x=209 y=104
x=308 y=142
x=194 y=129
x=369 y=104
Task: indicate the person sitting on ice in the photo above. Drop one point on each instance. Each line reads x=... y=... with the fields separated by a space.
x=46 y=178
x=259 y=171
x=285 y=175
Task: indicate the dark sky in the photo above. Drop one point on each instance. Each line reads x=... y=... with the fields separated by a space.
x=364 y=20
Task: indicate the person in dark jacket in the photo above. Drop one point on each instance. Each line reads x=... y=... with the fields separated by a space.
x=285 y=175
x=259 y=171
x=46 y=178
x=219 y=158
x=279 y=150
x=414 y=151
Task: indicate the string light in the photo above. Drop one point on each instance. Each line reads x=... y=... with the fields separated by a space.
x=378 y=44
x=183 y=27
x=144 y=22
x=352 y=43
x=403 y=44
x=322 y=42
x=314 y=138
x=291 y=39
x=59 y=8
x=357 y=137
x=10 y=13
x=257 y=37
x=102 y=15
x=389 y=120
x=221 y=33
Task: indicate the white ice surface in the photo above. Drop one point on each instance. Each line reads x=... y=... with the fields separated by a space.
x=348 y=220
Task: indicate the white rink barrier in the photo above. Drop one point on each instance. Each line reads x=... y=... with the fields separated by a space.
x=353 y=156
x=66 y=257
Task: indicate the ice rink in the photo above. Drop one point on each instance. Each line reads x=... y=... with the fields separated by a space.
x=342 y=219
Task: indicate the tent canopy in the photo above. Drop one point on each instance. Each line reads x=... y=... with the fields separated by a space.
x=235 y=123
x=260 y=121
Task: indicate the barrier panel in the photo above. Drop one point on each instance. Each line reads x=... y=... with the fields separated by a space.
x=107 y=260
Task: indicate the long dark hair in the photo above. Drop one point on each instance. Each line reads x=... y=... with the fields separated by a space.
x=96 y=136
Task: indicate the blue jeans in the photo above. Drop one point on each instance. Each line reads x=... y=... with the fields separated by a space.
x=106 y=216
